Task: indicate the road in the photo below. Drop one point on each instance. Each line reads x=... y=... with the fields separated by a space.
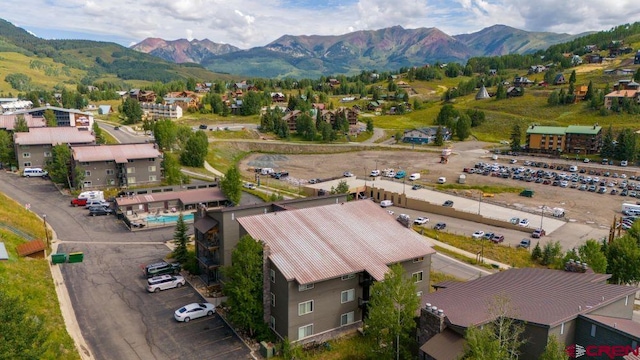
x=124 y=134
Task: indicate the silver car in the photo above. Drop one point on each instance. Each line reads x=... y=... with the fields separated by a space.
x=164 y=282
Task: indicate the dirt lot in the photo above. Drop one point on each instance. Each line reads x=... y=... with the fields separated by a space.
x=581 y=206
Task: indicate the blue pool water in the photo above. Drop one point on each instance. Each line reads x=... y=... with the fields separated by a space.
x=161 y=219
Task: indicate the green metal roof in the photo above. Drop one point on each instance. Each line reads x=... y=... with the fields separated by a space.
x=579 y=129
x=547 y=130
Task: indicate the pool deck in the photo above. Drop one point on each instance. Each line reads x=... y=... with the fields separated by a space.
x=144 y=220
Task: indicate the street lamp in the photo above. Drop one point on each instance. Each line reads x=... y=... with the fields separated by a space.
x=542 y=217
x=479 y=202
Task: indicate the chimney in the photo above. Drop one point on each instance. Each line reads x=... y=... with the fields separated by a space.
x=431 y=322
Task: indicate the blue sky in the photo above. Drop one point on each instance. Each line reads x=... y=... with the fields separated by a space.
x=249 y=23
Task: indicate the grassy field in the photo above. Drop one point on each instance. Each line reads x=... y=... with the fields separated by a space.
x=486 y=189
x=57 y=74
x=31 y=280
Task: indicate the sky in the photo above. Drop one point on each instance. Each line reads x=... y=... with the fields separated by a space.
x=250 y=23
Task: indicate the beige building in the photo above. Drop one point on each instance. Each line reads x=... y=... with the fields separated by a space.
x=34 y=148
x=118 y=165
x=320 y=263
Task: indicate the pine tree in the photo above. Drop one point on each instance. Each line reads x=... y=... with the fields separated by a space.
x=180 y=240
x=516 y=134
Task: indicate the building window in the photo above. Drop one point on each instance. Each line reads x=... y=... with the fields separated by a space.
x=348 y=276
x=626 y=301
x=27 y=164
x=84 y=163
x=26 y=155
x=131 y=170
x=110 y=172
x=305 y=331
x=273 y=299
x=346 y=319
x=305 y=308
x=418 y=259
x=417 y=276
x=131 y=180
x=87 y=173
x=86 y=184
x=109 y=162
x=347 y=295
x=305 y=287
x=272 y=322
x=593 y=330
x=47 y=154
x=152 y=168
x=152 y=159
x=272 y=275
x=130 y=161
x=152 y=178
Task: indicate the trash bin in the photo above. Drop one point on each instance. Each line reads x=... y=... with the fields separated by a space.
x=76 y=257
x=60 y=258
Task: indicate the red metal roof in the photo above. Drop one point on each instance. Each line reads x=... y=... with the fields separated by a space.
x=30 y=247
x=541 y=296
x=119 y=153
x=186 y=197
x=325 y=242
x=54 y=136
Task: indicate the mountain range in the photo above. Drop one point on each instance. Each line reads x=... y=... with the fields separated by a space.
x=384 y=49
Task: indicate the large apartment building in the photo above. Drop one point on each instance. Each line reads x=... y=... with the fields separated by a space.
x=118 y=165
x=570 y=140
x=34 y=148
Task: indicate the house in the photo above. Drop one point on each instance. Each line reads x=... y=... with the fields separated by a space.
x=334 y=82
x=143 y=96
x=618 y=96
x=521 y=81
x=425 y=135
x=320 y=263
x=493 y=72
x=575 y=307
x=64 y=117
x=278 y=97
x=594 y=58
x=374 y=106
x=217 y=231
x=583 y=139
x=291 y=118
x=104 y=109
x=34 y=249
x=17 y=105
x=580 y=92
x=184 y=99
x=118 y=165
x=33 y=148
x=590 y=48
x=559 y=79
x=515 y=91
x=576 y=60
x=536 y=69
x=546 y=139
x=153 y=111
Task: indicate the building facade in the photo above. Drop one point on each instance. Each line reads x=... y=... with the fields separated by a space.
x=118 y=165
x=583 y=139
x=546 y=139
x=64 y=117
x=34 y=148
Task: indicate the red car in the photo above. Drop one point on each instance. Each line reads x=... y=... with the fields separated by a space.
x=497 y=238
x=79 y=202
x=538 y=233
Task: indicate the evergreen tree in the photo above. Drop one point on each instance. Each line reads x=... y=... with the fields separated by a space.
x=305 y=127
x=463 y=127
x=20 y=124
x=589 y=94
x=180 y=239
x=608 y=148
x=130 y=111
x=369 y=125
x=171 y=168
x=50 y=118
x=536 y=254
x=553 y=99
x=7 y=152
x=501 y=92
x=439 y=137
x=195 y=150
x=97 y=132
x=572 y=78
x=516 y=136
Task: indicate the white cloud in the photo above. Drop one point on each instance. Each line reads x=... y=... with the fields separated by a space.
x=248 y=23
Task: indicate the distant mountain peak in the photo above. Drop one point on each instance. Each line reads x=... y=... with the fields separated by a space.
x=183 y=50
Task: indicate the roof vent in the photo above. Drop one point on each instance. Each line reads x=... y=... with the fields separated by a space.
x=441 y=312
x=428 y=306
x=434 y=309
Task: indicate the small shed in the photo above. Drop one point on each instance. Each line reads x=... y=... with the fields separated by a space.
x=4 y=255
x=462 y=179
x=33 y=249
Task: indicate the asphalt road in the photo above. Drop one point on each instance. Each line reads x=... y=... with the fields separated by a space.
x=117 y=317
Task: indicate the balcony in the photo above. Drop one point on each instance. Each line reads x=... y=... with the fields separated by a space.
x=210 y=263
x=211 y=244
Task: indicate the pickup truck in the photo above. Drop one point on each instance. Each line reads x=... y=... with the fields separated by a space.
x=400 y=174
x=280 y=174
x=79 y=202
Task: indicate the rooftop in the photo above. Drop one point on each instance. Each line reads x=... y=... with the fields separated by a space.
x=54 y=136
x=540 y=296
x=325 y=242
x=194 y=196
x=120 y=153
x=587 y=130
x=546 y=130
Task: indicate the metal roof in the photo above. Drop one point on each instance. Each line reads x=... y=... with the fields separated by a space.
x=627 y=326
x=54 y=136
x=325 y=242
x=194 y=196
x=446 y=345
x=588 y=130
x=8 y=122
x=120 y=153
x=540 y=296
x=4 y=255
x=546 y=130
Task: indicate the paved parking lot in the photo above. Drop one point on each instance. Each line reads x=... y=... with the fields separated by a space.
x=116 y=315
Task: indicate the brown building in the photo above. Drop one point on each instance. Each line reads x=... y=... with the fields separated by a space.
x=577 y=308
x=583 y=139
x=34 y=148
x=118 y=165
x=546 y=139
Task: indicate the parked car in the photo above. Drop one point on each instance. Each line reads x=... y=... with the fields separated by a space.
x=314 y=181
x=164 y=282
x=524 y=222
x=525 y=243
x=421 y=220
x=249 y=185
x=515 y=220
x=400 y=174
x=194 y=311
x=98 y=211
x=624 y=163
x=347 y=174
x=448 y=203
x=416 y=187
x=203 y=127
x=161 y=268
x=386 y=203
x=488 y=235
x=538 y=233
x=478 y=234
x=375 y=173
x=440 y=226
x=497 y=238
x=79 y=202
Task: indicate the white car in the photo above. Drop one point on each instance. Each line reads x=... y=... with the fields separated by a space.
x=524 y=222
x=375 y=173
x=249 y=185
x=348 y=174
x=421 y=220
x=478 y=234
x=194 y=311
x=164 y=282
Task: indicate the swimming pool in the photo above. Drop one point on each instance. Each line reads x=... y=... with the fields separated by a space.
x=161 y=219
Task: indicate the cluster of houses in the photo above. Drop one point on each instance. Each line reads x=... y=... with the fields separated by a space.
x=121 y=165
x=314 y=299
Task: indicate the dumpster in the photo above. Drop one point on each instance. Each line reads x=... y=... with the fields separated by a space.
x=59 y=258
x=76 y=257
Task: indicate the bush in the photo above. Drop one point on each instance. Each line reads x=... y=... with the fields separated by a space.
x=191 y=265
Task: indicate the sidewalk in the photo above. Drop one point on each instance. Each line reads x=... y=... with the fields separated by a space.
x=493 y=263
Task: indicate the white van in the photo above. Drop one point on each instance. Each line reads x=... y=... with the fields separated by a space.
x=266 y=171
x=29 y=172
x=92 y=195
x=414 y=176
x=442 y=180
x=386 y=203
